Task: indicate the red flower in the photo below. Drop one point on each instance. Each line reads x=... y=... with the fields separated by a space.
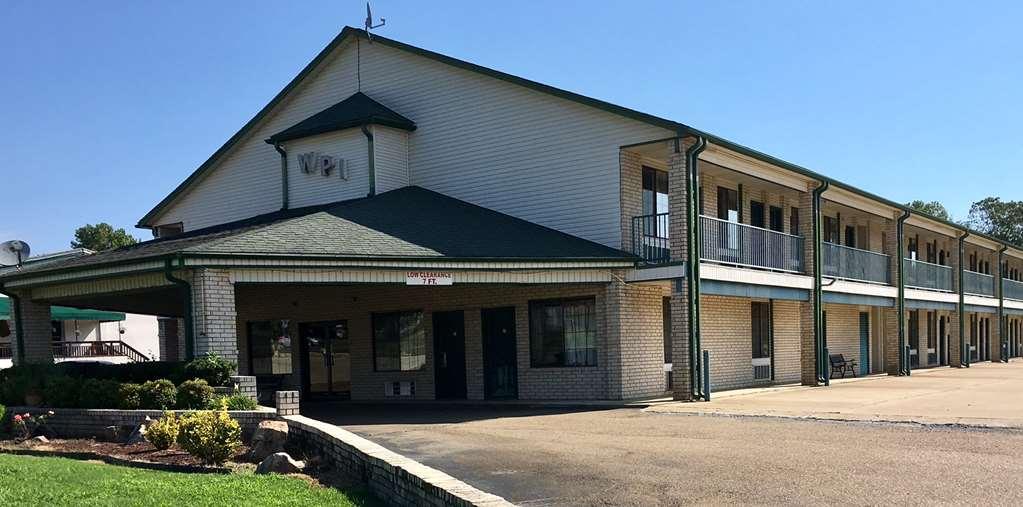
x=17 y=418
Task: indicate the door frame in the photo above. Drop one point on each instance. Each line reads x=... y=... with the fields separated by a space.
x=463 y=392
x=303 y=358
x=483 y=344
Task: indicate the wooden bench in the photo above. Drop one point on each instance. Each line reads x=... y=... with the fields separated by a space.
x=839 y=364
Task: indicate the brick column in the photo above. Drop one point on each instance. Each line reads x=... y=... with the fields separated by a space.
x=891 y=315
x=996 y=325
x=36 y=332
x=631 y=190
x=953 y=340
x=807 y=352
x=213 y=310
x=954 y=354
x=287 y=403
x=677 y=207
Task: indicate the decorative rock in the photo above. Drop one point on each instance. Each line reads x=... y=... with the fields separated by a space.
x=138 y=435
x=112 y=434
x=34 y=441
x=269 y=438
x=280 y=463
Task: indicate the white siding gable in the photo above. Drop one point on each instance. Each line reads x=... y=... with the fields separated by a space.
x=480 y=139
x=390 y=148
x=310 y=189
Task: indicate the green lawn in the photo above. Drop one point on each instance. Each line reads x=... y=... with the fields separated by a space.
x=26 y=480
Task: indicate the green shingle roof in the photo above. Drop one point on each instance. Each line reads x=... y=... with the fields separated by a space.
x=354 y=111
x=407 y=223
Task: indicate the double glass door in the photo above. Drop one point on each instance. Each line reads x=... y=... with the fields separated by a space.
x=326 y=360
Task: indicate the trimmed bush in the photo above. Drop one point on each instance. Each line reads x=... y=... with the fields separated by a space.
x=158 y=394
x=163 y=432
x=237 y=402
x=129 y=396
x=193 y=394
x=96 y=393
x=210 y=435
x=62 y=392
x=215 y=370
x=135 y=373
x=18 y=381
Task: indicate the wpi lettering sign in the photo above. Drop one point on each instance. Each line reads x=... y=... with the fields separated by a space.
x=429 y=278
x=315 y=162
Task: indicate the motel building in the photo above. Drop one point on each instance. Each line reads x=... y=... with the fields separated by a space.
x=398 y=224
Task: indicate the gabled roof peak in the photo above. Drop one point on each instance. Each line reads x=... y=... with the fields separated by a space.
x=358 y=109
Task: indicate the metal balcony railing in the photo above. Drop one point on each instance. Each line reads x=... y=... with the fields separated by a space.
x=855 y=264
x=924 y=275
x=650 y=238
x=1013 y=289
x=114 y=348
x=978 y=284
x=744 y=245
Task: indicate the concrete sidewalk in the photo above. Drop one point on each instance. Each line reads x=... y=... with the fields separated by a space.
x=987 y=395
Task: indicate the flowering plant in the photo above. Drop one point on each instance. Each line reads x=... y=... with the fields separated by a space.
x=26 y=425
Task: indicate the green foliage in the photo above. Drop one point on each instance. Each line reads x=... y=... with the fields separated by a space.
x=101 y=236
x=212 y=368
x=96 y=393
x=163 y=432
x=933 y=208
x=193 y=394
x=210 y=435
x=62 y=391
x=17 y=381
x=998 y=218
x=237 y=402
x=129 y=372
x=158 y=394
x=129 y=396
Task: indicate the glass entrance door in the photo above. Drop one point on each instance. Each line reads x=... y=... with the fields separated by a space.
x=326 y=360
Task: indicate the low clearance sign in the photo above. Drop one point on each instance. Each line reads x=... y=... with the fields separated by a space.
x=429 y=278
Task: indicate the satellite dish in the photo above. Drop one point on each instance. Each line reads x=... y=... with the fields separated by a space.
x=13 y=253
x=369 y=22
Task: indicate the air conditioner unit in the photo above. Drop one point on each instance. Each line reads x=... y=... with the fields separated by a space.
x=762 y=369
x=400 y=388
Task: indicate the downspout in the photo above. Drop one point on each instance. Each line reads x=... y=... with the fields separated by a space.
x=188 y=317
x=19 y=342
x=284 y=175
x=900 y=301
x=372 y=160
x=818 y=291
x=1001 y=306
x=964 y=354
x=693 y=242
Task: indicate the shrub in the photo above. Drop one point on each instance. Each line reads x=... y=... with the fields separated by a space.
x=18 y=381
x=135 y=373
x=129 y=396
x=210 y=435
x=195 y=394
x=215 y=370
x=163 y=432
x=96 y=393
x=158 y=394
x=237 y=402
x=62 y=391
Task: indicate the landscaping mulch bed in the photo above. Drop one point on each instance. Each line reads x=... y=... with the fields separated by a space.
x=142 y=455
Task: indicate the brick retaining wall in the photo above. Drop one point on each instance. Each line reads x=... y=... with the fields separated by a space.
x=86 y=423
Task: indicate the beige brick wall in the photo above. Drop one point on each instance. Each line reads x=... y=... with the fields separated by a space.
x=636 y=329
x=631 y=190
x=356 y=303
x=787 y=337
x=843 y=326
x=36 y=332
x=213 y=302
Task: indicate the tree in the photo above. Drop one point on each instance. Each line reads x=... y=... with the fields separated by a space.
x=933 y=208
x=998 y=218
x=101 y=236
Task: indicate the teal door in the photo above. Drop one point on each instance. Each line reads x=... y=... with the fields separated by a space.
x=864 y=343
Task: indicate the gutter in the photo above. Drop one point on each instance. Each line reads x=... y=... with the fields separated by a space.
x=964 y=353
x=900 y=301
x=1001 y=306
x=187 y=289
x=19 y=340
x=819 y=340
x=692 y=268
x=284 y=174
x=372 y=160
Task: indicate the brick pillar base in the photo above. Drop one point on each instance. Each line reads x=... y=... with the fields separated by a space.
x=891 y=341
x=214 y=312
x=37 y=334
x=287 y=402
x=681 y=386
x=245 y=385
x=954 y=352
x=807 y=354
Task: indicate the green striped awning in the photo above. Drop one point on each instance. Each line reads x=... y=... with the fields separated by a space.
x=64 y=313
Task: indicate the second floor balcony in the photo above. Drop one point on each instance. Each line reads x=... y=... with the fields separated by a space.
x=925 y=275
x=978 y=284
x=855 y=264
x=722 y=242
x=1013 y=290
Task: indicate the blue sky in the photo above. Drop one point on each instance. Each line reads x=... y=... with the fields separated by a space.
x=106 y=106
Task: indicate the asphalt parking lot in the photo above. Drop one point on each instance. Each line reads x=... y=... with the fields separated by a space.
x=589 y=456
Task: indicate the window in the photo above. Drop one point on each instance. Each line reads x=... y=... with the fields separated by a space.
x=914 y=337
x=399 y=341
x=913 y=249
x=932 y=330
x=775 y=219
x=563 y=333
x=932 y=252
x=728 y=204
x=269 y=347
x=655 y=191
x=850 y=236
x=794 y=221
x=831 y=230
x=756 y=214
x=761 y=326
x=862 y=237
